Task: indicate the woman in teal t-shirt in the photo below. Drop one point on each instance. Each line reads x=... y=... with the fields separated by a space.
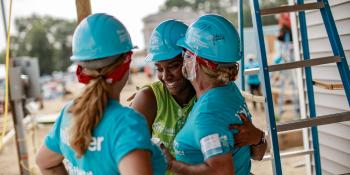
x=167 y=102
x=95 y=134
x=205 y=145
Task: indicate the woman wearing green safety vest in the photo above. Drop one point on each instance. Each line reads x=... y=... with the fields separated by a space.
x=95 y=134
x=205 y=144
x=167 y=103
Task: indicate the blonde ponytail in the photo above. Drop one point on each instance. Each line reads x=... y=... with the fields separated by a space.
x=88 y=108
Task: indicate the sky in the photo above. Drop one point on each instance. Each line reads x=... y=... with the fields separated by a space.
x=130 y=12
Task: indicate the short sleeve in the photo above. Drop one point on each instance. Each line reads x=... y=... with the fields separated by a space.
x=213 y=135
x=52 y=140
x=131 y=134
x=159 y=165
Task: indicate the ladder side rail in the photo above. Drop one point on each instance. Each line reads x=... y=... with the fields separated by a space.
x=310 y=90
x=264 y=76
x=337 y=47
x=241 y=34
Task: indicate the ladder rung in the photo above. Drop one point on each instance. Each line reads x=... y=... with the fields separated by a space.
x=321 y=120
x=251 y=97
x=296 y=64
x=304 y=63
x=329 y=86
x=292 y=8
x=290 y=154
x=251 y=71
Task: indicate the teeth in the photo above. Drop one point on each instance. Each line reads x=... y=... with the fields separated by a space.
x=171 y=84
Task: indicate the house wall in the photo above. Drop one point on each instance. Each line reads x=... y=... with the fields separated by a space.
x=334 y=138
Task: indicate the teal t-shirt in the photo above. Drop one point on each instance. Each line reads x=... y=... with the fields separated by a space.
x=206 y=132
x=252 y=79
x=120 y=131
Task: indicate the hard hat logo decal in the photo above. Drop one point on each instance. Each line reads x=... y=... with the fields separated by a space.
x=216 y=38
x=156 y=42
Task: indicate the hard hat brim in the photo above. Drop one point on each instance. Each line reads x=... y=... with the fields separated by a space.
x=181 y=42
x=162 y=56
x=87 y=57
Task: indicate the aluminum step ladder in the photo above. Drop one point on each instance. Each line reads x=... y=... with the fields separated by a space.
x=339 y=58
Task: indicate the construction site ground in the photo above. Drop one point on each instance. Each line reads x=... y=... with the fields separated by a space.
x=35 y=135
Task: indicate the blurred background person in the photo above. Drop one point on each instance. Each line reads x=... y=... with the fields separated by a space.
x=253 y=80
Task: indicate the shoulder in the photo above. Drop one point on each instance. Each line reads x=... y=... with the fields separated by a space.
x=156 y=85
x=65 y=112
x=145 y=95
x=145 y=100
x=124 y=117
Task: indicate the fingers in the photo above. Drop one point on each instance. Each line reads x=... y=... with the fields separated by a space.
x=232 y=126
x=239 y=145
x=162 y=146
x=131 y=97
x=244 y=118
x=164 y=149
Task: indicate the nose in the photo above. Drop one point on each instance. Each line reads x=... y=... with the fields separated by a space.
x=166 y=75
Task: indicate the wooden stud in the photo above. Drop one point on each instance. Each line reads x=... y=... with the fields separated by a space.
x=329 y=86
x=83 y=9
x=292 y=8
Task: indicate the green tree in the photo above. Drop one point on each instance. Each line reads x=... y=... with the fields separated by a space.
x=45 y=38
x=2 y=56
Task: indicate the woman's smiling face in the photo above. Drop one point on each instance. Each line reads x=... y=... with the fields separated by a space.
x=170 y=73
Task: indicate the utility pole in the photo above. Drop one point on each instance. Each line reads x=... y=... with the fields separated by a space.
x=17 y=107
x=83 y=9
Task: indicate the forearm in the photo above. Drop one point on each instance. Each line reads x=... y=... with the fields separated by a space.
x=258 y=151
x=183 y=168
x=200 y=169
x=59 y=170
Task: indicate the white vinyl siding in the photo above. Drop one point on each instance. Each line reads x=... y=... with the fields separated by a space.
x=334 y=138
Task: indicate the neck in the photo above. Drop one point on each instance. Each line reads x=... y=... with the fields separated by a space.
x=114 y=93
x=202 y=85
x=116 y=97
x=185 y=96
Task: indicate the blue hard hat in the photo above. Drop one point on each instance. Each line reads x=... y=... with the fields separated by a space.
x=214 y=38
x=99 y=36
x=163 y=40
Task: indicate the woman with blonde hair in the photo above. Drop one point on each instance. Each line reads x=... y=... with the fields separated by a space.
x=205 y=144
x=166 y=103
x=95 y=134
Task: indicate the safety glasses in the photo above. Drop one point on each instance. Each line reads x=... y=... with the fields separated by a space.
x=186 y=54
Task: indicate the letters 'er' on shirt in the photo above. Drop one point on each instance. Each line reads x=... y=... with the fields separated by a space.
x=206 y=132
x=120 y=131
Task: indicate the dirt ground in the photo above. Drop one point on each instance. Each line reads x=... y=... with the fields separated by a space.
x=34 y=136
